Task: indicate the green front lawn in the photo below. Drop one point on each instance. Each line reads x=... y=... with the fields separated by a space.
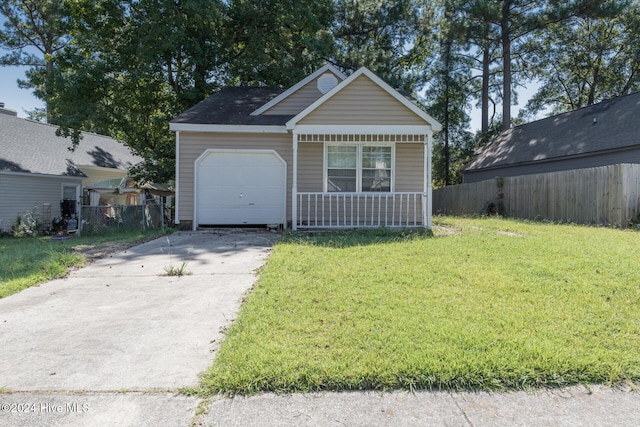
x=483 y=304
x=28 y=261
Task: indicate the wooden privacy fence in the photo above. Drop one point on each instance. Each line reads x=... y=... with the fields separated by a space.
x=606 y=195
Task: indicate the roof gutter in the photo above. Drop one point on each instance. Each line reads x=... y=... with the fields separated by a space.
x=189 y=127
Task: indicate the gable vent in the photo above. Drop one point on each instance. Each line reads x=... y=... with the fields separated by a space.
x=326 y=82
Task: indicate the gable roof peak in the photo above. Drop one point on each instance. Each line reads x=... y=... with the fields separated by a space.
x=435 y=125
x=293 y=89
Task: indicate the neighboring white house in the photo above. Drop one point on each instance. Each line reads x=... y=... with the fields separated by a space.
x=40 y=174
x=330 y=152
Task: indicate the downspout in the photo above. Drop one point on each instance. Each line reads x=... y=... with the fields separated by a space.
x=294 y=186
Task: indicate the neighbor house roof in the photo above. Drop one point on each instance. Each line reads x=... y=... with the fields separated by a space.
x=33 y=147
x=607 y=126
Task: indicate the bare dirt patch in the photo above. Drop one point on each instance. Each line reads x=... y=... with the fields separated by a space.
x=101 y=250
x=96 y=251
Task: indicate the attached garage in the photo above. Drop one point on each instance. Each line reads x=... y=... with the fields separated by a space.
x=240 y=187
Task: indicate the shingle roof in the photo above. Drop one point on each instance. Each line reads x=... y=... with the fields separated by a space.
x=233 y=106
x=608 y=125
x=33 y=147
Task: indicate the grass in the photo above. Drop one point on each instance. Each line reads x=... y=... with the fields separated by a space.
x=483 y=304
x=29 y=261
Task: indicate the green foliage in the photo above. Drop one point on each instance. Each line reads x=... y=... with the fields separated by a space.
x=171 y=269
x=488 y=304
x=449 y=91
x=132 y=67
x=378 y=34
x=178 y=271
x=276 y=43
x=25 y=225
x=586 y=59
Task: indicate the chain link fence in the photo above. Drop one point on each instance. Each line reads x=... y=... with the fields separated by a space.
x=98 y=219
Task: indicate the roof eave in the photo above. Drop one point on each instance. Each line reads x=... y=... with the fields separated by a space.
x=43 y=175
x=191 y=127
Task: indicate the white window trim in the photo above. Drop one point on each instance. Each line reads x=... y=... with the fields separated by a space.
x=359 y=145
x=76 y=188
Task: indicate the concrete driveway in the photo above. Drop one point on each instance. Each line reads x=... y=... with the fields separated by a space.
x=118 y=338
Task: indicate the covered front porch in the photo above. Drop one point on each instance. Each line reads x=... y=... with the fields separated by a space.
x=373 y=176
x=360 y=210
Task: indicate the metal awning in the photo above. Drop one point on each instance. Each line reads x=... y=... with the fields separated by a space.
x=115 y=186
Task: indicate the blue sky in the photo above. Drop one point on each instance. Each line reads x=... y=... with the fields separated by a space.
x=13 y=97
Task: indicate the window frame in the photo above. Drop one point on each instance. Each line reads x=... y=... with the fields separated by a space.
x=359 y=153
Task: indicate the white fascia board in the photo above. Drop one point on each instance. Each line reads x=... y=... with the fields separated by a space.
x=362 y=130
x=297 y=86
x=188 y=127
x=434 y=124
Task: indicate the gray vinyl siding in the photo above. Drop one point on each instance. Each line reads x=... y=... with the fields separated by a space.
x=582 y=162
x=19 y=194
x=362 y=103
x=297 y=101
x=193 y=144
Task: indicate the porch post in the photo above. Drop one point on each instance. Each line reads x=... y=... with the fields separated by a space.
x=428 y=199
x=294 y=186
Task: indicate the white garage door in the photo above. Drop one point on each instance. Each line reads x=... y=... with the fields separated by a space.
x=240 y=187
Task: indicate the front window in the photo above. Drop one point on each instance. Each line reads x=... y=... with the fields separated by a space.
x=342 y=166
x=376 y=169
x=358 y=168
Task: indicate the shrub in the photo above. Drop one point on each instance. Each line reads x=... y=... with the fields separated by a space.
x=25 y=225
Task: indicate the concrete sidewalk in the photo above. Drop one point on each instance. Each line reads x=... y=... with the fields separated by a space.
x=112 y=345
x=574 y=406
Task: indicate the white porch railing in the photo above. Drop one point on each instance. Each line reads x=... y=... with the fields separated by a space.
x=357 y=210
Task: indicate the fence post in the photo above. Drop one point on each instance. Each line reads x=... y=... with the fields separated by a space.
x=500 y=195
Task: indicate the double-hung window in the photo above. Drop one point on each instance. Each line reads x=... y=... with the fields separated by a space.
x=358 y=168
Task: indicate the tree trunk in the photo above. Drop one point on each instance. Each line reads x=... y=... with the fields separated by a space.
x=47 y=88
x=485 y=90
x=447 y=157
x=506 y=60
x=447 y=101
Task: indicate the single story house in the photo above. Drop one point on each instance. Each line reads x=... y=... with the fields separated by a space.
x=602 y=134
x=329 y=152
x=39 y=174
